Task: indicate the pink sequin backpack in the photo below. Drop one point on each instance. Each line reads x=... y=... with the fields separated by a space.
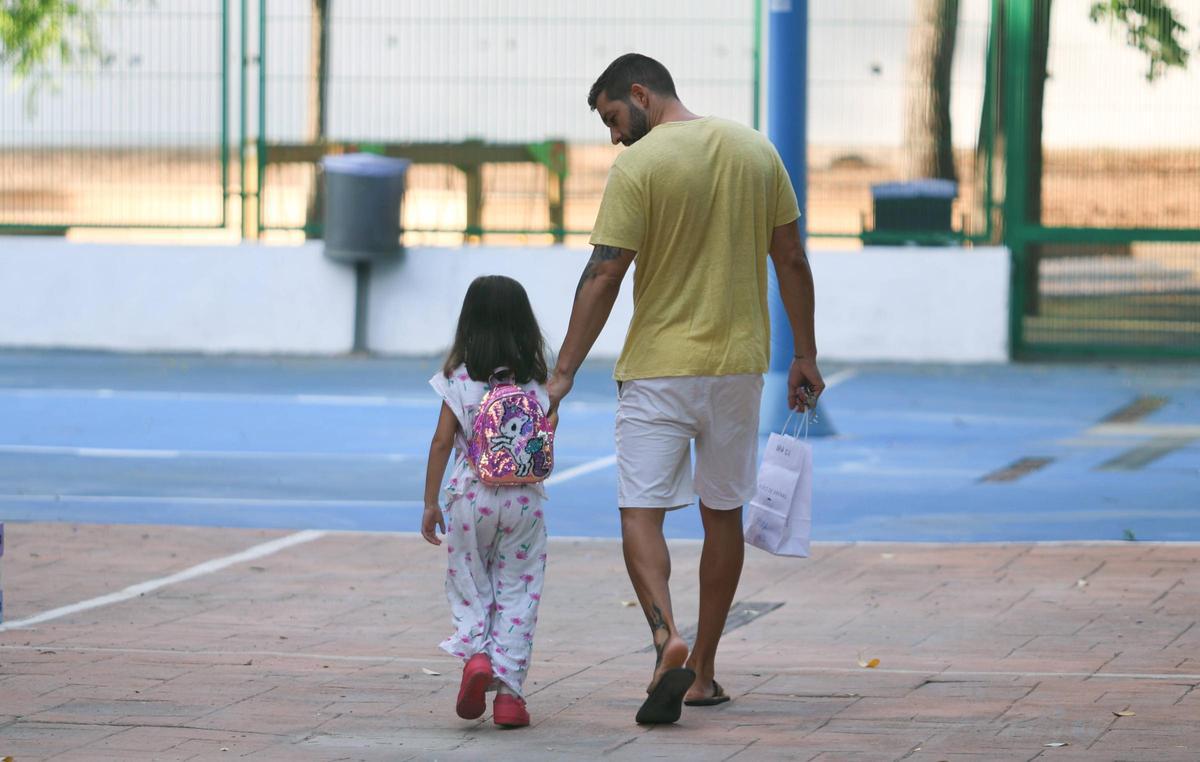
x=512 y=441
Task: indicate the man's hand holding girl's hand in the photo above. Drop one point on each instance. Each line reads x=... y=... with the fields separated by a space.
x=559 y=386
x=430 y=520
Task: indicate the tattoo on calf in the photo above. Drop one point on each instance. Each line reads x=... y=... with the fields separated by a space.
x=599 y=254
x=658 y=623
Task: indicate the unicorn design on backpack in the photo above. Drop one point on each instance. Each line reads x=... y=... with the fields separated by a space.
x=512 y=441
x=517 y=435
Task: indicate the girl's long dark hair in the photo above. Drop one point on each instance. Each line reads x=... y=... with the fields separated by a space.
x=496 y=328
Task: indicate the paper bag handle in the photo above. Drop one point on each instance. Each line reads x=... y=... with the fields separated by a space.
x=804 y=418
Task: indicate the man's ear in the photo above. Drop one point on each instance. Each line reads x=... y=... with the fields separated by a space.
x=639 y=95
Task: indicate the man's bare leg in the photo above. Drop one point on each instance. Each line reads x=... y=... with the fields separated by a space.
x=720 y=570
x=649 y=564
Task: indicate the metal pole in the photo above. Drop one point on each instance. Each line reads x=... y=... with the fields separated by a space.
x=243 y=107
x=757 y=56
x=1015 y=55
x=787 y=116
x=225 y=194
x=260 y=152
x=362 y=290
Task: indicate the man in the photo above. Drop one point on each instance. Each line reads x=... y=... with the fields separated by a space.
x=698 y=202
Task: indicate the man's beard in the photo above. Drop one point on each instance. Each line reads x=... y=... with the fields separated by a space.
x=639 y=125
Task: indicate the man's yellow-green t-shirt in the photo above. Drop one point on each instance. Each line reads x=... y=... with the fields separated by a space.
x=698 y=201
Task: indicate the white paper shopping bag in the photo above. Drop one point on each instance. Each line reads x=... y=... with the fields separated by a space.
x=779 y=518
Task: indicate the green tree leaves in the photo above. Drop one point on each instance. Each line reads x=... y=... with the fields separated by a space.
x=1152 y=27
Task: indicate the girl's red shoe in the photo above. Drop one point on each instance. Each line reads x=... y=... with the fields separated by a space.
x=477 y=675
x=509 y=711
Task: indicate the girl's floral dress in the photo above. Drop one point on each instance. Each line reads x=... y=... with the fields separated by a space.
x=496 y=548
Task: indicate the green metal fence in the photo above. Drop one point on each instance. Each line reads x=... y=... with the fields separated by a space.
x=1070 y=128
x=895 y=96
x=132 y=134
x=1102 y=210
x=489 y=99
x=476 y=93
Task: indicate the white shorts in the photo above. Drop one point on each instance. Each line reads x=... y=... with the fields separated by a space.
x=657 y=420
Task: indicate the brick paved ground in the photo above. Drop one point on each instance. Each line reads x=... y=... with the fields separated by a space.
x=318 y=652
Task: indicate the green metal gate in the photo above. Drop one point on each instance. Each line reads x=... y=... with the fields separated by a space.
x=486 y=99
x=130 y=131
x=1104 y=227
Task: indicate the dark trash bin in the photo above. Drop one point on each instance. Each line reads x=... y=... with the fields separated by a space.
x=363 y=193
x=917 y=206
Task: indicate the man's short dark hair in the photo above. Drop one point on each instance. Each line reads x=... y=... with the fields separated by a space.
x=623 y=73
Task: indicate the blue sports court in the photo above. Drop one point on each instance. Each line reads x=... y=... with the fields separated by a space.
x=922 y=453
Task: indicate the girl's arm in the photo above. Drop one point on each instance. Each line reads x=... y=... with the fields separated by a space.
x=553 y=417
x=435 y=471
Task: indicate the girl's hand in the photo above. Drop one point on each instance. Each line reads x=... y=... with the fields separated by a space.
x=435 y=469
x=431 y=519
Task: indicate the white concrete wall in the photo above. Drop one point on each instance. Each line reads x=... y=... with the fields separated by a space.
x=414 y=302
x=244 y=299
x=928 y=304
x=900 y=304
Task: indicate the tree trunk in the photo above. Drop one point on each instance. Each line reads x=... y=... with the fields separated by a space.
x=318 y=81
x=928 y=149
x=991 y=135
x=1039 y=49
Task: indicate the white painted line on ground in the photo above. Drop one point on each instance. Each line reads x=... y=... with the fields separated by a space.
x=864 y=468
x=133 y=591
x=256 y=501
x=348 y=399
x=365 y=400
x=119 y=452
x=586 y=468
x=1138 y=429
x=335 y=400
x=269 y=502
x=840 y=377
x=115 y=452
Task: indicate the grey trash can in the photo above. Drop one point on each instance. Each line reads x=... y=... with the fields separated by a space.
x=363 y=193
x=916 y=206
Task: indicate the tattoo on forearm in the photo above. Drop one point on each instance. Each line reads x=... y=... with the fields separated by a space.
x=599 y=254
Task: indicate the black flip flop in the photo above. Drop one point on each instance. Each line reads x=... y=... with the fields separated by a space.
x=665 y=702
x=719 y=697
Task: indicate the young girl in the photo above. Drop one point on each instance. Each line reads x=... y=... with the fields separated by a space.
x=495 y=536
